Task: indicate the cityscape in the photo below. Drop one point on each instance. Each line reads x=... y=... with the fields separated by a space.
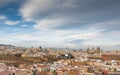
x=50 y=61
x=59 y=37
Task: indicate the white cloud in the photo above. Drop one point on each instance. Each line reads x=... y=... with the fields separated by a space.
x=61 y=38
x=85 y=35
x=24 y=26
x=50 y=14
x=49 y=23
x=106 y=39
x=31 y=9
x=8 y=22
x=75 y=11
x=24 y=37
x=46 y=13
x=2 y=17
x=34 y=39
x=112 y=24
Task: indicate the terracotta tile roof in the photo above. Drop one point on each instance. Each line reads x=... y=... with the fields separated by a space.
x=74 y=72
x=5 y=72
x=109 y=57
x=44 y=73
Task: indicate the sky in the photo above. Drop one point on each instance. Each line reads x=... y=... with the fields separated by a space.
x=60 y=23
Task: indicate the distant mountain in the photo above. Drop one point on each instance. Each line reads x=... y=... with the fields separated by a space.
x=5 y=45
x=12 y=46
x=6 y=48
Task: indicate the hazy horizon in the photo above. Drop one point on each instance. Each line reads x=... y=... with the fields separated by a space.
x=60 y=23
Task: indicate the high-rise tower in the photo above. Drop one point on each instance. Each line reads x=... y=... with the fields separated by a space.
x=98 y=50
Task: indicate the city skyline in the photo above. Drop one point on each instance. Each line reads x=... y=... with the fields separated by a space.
x=60 y=23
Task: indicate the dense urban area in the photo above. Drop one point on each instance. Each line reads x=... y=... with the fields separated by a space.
x=49 y=61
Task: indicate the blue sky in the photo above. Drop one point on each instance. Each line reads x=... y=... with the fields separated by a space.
x=60 y=23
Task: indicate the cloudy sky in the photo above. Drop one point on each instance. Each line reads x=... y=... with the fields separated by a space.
x=60 y=23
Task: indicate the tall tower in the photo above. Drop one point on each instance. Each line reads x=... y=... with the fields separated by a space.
x=40 y=47
x=93 y=50
x=98 y=49
x=88 y=49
